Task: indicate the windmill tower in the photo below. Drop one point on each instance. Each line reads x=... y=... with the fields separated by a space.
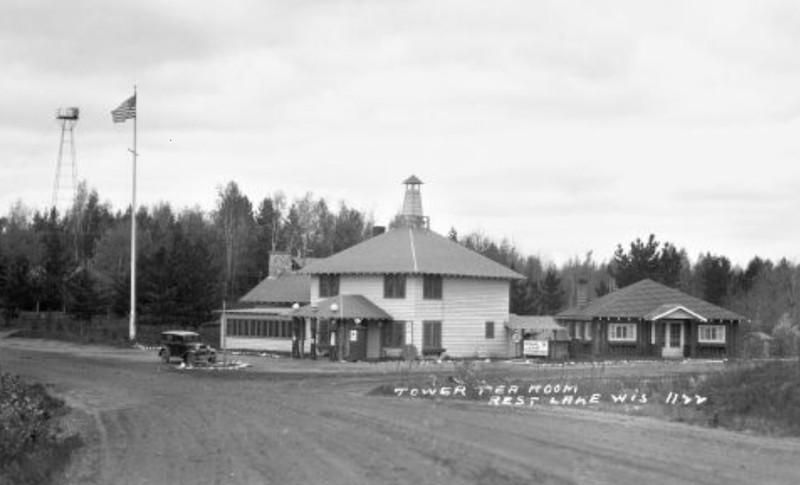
x=66 y=177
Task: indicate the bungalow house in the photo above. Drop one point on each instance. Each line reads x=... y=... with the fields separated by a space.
x=648 y=319
x=408 y=286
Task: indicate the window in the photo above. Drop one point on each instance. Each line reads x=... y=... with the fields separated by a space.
x=489 y=330
x=431 y=335
x=711 y=334
x=432 y=287
x=328 y=285
x=622 y=332
x=587 y=328
x=259 y=328
x=394 y=286
x=394 y=334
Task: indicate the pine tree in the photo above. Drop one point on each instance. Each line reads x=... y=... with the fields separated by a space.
x=647 y=261
x=552 y=298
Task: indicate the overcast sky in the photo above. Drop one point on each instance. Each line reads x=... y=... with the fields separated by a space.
x=564 y=126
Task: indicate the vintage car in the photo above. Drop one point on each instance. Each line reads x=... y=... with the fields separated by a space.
x=186 y=346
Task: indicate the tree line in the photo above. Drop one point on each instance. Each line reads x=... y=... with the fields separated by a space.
x=189 y=261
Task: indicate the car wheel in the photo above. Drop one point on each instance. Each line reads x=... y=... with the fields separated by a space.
x=189 y=358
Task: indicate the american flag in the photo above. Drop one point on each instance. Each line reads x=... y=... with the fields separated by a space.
x=126 y=110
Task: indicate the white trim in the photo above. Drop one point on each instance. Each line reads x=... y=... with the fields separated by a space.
x=630 y=332
x=680 y=307
x=668 y=335
x=719 y=330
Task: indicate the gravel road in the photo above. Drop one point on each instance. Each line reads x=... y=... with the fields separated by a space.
x=285 y=422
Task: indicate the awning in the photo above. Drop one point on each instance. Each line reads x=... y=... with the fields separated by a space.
x=343 y=306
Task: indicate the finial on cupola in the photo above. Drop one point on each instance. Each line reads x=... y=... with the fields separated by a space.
x=412 y=203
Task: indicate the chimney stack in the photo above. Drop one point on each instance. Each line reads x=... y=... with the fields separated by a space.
x=280 y=262
x=582 y=292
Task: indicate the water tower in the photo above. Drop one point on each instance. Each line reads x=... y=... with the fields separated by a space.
x=66 y=177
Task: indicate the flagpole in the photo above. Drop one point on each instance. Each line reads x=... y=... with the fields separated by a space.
x=132 y=330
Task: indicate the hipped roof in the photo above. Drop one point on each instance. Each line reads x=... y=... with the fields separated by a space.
x=348 y=306
x=411 y=250
x=645 y=299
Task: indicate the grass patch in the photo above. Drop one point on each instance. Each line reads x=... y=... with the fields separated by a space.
x=762 y=398
x=32 y=450
x=112 y=332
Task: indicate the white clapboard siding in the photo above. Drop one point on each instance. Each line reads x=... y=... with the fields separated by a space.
x=466 y=305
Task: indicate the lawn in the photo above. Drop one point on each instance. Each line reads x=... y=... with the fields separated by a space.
x=759 y=397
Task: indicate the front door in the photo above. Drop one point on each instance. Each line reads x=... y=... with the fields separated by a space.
x=673 y=340
x=356 y=342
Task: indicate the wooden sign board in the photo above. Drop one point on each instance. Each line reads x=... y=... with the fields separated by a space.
x=536 y=348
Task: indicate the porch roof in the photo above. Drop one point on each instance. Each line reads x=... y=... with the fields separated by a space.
x=671 y=310
x=347 y=306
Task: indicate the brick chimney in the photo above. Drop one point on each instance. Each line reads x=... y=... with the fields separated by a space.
x=582 y=292
x=280 y=262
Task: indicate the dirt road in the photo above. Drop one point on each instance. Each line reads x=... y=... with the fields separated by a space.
x=284 y=422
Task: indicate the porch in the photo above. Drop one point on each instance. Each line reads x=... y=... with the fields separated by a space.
x=341 y=328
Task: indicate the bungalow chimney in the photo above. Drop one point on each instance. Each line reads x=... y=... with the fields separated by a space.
x=412 y=204
x=582 y=292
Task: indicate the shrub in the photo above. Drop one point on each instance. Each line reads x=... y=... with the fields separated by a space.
x=410 y=352
x=31 y=450
x=786 y=336
x=763 y=398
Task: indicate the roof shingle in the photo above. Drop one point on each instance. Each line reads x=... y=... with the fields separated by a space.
x=347 y=306
x=287 y=288
x=642 y=299
x=411 y=250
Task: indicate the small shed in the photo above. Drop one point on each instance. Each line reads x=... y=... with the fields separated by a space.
x=539 y=328
x=757 y=344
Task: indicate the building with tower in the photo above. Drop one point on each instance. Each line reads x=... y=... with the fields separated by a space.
x=406 y=287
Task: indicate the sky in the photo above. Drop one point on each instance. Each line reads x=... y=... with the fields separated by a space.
x=562 y=126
